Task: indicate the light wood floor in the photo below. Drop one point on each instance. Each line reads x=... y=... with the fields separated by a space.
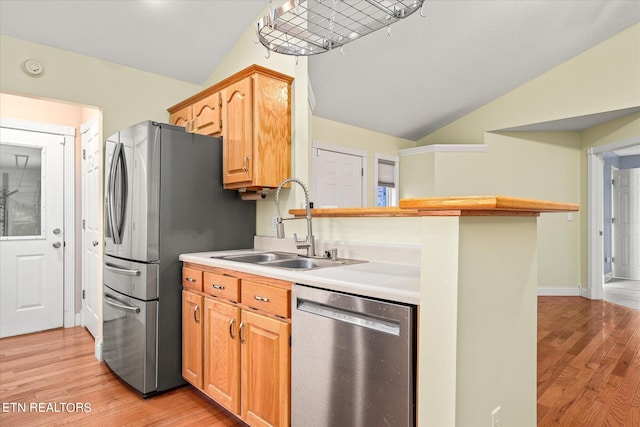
x=588 y=363
x=588 y=375
x=59 y=366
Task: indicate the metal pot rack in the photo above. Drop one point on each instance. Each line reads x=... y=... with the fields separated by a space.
x=309 y=27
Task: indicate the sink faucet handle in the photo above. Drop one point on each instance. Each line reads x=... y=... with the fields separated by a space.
x=300 y=244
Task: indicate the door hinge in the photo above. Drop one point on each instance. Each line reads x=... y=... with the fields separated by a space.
x=84 y=224
x=220 y=124
x=289 y=340
x=613 y=220
x=83 y=293
x=613 y=259
x=84 y=154
x=361 y=171
x=613 y=182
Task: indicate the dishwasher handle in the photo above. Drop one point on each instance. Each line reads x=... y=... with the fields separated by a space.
x=364 y=320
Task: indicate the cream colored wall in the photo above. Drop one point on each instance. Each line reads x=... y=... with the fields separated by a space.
x=546 y=165
x=417 y=175
x=125 y=95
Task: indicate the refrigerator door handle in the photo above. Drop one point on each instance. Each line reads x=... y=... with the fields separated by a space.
x=119 y=304
x=120 y=270
x=118 y=166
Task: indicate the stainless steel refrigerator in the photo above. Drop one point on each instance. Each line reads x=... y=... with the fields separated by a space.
x=163 y=197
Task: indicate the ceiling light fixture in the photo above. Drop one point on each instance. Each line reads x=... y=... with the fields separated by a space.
x=309 y=27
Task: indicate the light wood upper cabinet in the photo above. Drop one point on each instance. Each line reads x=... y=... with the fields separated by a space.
x=192 y=337
x=257 y=138
x=202 y=116
x=254 y=108
x=237 y=145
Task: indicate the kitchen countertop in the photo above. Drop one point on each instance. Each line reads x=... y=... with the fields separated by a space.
x=450 y=206
x=394 y=282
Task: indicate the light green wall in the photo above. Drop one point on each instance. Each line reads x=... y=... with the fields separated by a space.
x=125 y=95
x=545 y=165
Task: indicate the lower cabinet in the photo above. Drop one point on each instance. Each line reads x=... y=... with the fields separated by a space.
x=266 y=370
x=238 y=356
x=222 y=354
x=192 y=337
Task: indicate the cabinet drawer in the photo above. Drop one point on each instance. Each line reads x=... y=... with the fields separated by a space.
x=268 y=298
x=222 y=286
x=192 y=279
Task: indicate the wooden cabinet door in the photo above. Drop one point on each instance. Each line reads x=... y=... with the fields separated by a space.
x=192 y=338
x=266 y=370
x=222 y=353
x=182 y=117
x=237 y=151
x=207 y=116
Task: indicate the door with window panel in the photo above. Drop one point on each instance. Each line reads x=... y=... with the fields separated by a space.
x=31 y=231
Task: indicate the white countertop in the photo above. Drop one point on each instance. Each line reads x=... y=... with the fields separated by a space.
x=394 y=282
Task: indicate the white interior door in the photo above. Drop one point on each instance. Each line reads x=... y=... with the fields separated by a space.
x=91 y=231
x=626 y=225
x=338 y=179
x=31 y=231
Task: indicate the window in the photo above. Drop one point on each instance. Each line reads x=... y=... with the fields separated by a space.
x=386 y=178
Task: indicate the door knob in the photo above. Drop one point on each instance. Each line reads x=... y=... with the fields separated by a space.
x=56 y=231
x=57 y=244
x=95 y=243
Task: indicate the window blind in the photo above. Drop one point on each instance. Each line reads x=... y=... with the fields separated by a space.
x=386 y=173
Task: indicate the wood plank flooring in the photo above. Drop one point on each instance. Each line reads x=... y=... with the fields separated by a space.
x=58 y=367
x=588 y=363
x=588 y=375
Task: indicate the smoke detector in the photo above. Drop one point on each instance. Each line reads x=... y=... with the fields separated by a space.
x=33 y=68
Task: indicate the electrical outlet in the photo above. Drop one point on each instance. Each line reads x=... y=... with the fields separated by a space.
x=274 y=222
x=496 y=417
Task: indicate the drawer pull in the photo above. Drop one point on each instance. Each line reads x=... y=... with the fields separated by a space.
x=219 y=287
x=189 y=279
x=259 y=298
x=196 y=314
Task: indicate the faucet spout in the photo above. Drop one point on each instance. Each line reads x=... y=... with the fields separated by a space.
x=309 y=242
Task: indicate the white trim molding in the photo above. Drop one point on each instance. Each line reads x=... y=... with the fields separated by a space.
x=445 y=148
x=560 y=292
x=595 y=203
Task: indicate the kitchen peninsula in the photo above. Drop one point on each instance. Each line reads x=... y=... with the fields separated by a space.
x=476 y=288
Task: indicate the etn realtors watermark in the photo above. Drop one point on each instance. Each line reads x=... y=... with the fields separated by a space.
x=47 y=407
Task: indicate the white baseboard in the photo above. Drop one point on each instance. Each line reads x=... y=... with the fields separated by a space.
x=559 y=292
x=98 y=350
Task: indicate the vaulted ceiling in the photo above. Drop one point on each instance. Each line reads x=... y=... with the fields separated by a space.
x=429 y=72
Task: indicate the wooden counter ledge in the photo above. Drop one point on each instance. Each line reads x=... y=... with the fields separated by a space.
x=450 y=206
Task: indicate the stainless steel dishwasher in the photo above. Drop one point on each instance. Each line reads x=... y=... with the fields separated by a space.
x=353 y=360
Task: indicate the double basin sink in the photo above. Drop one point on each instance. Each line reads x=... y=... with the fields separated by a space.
x=288 y=261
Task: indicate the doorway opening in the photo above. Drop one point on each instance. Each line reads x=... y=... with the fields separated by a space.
x=53 y=116
x=603 y=208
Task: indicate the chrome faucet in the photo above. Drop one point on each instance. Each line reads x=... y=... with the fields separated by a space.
x=308 y=243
